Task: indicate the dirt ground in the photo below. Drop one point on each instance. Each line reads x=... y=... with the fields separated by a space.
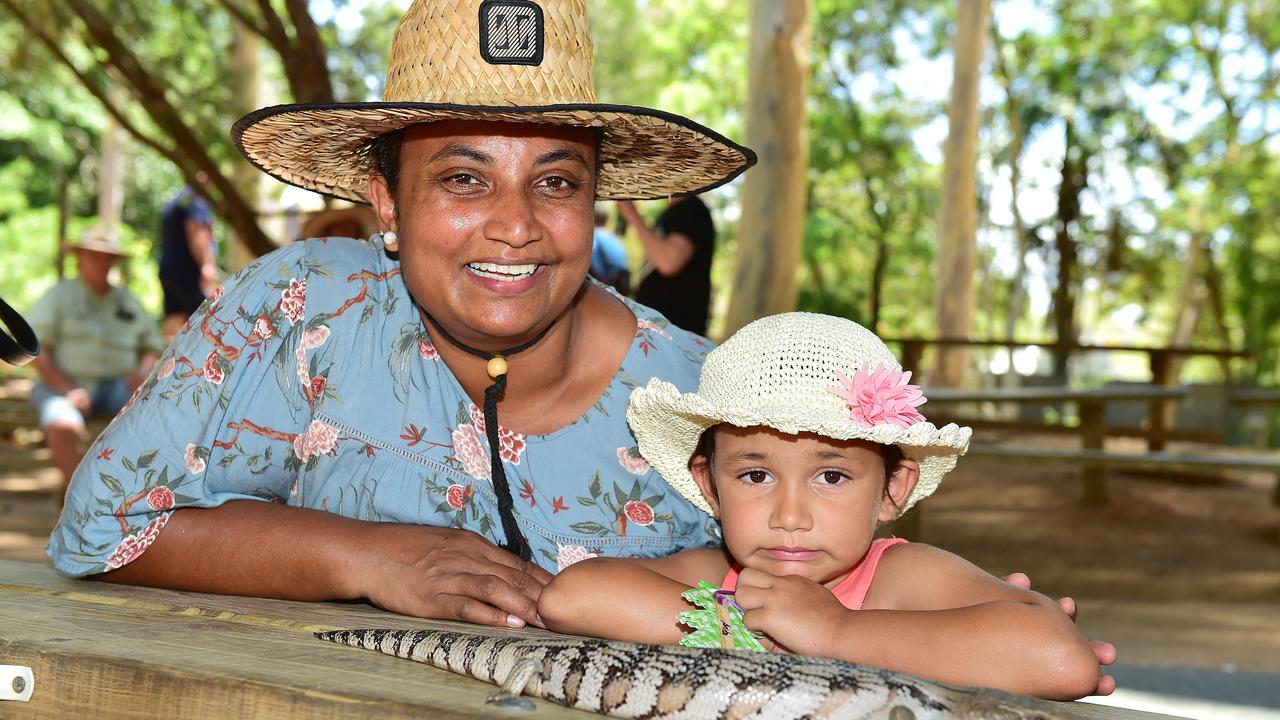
x=1180 y=571
x=1176 y=571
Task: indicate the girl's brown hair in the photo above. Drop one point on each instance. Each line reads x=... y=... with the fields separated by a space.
x=892 y=455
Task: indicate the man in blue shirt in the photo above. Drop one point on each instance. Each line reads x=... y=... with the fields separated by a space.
x=188 y=272
x=609 y=256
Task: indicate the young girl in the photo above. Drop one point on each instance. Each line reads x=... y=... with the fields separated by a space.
x=802 y=437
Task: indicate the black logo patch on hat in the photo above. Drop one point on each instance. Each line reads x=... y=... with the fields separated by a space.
x=511 y=32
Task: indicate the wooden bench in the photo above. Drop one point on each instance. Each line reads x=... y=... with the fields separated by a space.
x=1092 y=457
x=1094 y=463
x=1262 y=399
x=1091 y=406
x=16 y=410
x=1159 y=359
x=1150 y=461
x=17 y=414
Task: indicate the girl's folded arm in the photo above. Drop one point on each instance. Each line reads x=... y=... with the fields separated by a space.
x=934 y=614
x=626 y=598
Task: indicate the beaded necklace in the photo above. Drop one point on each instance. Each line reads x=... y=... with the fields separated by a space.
x=496 y=367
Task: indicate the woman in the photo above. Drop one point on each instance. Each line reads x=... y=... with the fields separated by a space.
x=345 y=382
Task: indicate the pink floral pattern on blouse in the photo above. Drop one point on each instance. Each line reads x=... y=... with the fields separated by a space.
x=308 y=379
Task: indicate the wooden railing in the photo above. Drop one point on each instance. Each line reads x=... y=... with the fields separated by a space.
x=1159 y=359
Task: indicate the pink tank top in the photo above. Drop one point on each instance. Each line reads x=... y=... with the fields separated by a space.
x=851 y=591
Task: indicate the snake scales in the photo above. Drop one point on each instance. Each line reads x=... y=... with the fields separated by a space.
x=629 y=680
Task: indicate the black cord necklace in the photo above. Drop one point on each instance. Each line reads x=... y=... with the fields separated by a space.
x=497 y=369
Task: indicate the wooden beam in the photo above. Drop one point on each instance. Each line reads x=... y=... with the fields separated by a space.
x=957 y=217
x=1074 y=347
x=773 y=197
x=1093 y=433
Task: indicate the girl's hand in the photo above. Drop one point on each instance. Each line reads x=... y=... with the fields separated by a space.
x=797 y=613
x=1105 y=651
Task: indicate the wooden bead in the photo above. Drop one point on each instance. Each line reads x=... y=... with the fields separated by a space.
x=497 y=366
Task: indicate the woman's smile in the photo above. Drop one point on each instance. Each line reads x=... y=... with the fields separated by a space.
x=506 y=279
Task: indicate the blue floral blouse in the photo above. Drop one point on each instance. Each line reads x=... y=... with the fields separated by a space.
x=309 y=380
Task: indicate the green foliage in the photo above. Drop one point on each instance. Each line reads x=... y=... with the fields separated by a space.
x=1171 y=106
x=683 y=57
x=29 y=238
x=359 y=70
x=872 y=196
x=51 y=126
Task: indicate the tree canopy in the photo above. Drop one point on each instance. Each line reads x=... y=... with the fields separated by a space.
x=1128 y=182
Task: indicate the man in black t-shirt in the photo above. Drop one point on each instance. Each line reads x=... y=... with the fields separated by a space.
x=679 y=248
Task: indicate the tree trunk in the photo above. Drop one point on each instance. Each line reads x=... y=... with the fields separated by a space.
x=773 y=197
x=1191 y=294
x=878 y=271
x=245 y=80
x=1074 y=181
x=150 y=93
x=957 y=248
x=110 y=169
x=64 y=215
x=1217 y=303
x=111 y=181
x=1022 y=234
x=170 y=136
x=308 y=71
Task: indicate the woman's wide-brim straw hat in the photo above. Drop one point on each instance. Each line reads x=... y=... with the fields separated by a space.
x=499 y=60
x=795 y=373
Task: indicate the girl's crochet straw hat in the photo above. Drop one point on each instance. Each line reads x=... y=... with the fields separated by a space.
x=506 y=60
x=796 y=372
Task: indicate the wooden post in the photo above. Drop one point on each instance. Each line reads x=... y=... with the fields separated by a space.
x=110 y=181
x=245 y=79
x=773 y=197
x=64 y=215
x=957 y=243
x=110 y=164
x=1093 y=434
x=912 y=352
x=1157 y=408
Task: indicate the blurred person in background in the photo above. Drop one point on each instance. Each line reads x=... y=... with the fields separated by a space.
x=188 y=266
x=679 y=246
x=98 y=345
x=609 y=256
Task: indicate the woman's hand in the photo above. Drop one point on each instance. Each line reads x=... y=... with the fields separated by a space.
x=449 y=574
x=261 y=549
x=1105 y=651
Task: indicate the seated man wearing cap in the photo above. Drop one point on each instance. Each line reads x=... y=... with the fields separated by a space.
x=98 y=344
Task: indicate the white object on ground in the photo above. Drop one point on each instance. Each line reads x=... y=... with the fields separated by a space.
x=16 y=682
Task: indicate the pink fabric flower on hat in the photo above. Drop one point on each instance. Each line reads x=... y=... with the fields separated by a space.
x=881 y=397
